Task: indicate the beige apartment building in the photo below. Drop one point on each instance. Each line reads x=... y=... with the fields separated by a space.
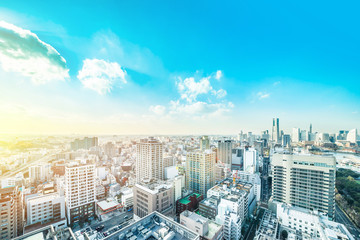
x=154 y=196
x=306 y=181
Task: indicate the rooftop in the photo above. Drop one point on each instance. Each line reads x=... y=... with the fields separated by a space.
x=186 y=200
x=154 y=226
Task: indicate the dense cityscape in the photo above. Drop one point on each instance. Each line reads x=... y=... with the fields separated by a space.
x=272 y=185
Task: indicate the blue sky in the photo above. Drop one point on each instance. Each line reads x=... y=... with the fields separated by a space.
x=165 y=67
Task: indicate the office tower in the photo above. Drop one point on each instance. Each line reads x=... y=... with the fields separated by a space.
x=286 y=140
x=303 y=136
x=352 y=136
x=310 y=131
x=275 y=134
x=295 y=137
x=11 y=213
x=312 y=137
x=85 y=143
x=46 y=208
x=251 y=158
x=149 y=160
x=150 y=197
x=79 y=192
x=200 y=167
x=322 y=137
x=306 y=181
x=204 y=143
x=224 y=151
x=237 y=159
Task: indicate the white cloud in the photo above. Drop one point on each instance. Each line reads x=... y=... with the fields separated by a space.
x=276 y=83
x=158 y=109
x=221 y=93
x=23 y=52
x=218 y=75
x=263 y=95
x=100 y=75
x=189 y=88
x=197 y=99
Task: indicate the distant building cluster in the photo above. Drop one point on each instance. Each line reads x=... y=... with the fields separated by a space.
x=275 y=185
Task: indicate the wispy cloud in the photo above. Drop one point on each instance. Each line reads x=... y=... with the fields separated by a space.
x=276 y=83
x=100 y=75
x=23 y=52
x=218 y=75
x=262 y=95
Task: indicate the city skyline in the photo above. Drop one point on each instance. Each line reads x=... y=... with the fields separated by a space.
x=176 y=69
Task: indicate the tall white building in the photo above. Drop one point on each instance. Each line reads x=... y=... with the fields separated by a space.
x=79 y=192
x=306 y=181
x=276 y=131
x=295 y=137
x=352 y=136
x=204 y=143
x=224 y=151
x=200 y=171
x=251 y=160
x=46 y=208
x=149 y=160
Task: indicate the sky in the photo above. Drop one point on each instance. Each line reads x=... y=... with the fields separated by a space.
x=178 y=67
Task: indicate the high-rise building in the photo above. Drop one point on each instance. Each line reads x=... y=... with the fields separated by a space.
x=204 y=143
x=224 y=151
x=11 y=213
x=295 y=137
x=306 y=181
x=275 y=133
x=303 y=136
x=149 y=160
x=155 y=196
x=310 y=130
x=200 y=167
x=79 y=192
x=286 y=140
x=251 y=160
x=352 y=136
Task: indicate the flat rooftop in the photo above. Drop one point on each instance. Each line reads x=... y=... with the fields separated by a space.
x=154 y=226
x=186 y=200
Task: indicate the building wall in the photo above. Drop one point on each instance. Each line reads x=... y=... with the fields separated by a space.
x=306 y=181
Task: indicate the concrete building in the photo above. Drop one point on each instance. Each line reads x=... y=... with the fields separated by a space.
x=224 y=152
x=306 y=181
x=251 y=160
x=219 y=172
x=204 y=143
x=206 y=228
x=11 y=213
x=154 y=226
x=155 y=196
x=209 y=207
x=303 y=136
x=352 y=136
x=44 y=209
x=268 y=227
x=295 y=137
x=79 y=192
x=149 y=160
x=200 y=171
x=190 y=202
x=310 y=224
x=127 y=197
x=286 y=140
x=85 y=143
x=275 y=137
x=253 y=178
x=39 y=173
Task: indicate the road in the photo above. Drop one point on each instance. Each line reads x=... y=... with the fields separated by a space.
x=341 y=217
x=25 y=167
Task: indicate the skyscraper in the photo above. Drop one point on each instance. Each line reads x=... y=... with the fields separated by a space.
x=352 y=136
x=79 y=192
x=275 y=131
x=204 y=143
x=200 y=166
x=149 y=160
x=224 y=151
x=295 y=137
x=306 y=181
